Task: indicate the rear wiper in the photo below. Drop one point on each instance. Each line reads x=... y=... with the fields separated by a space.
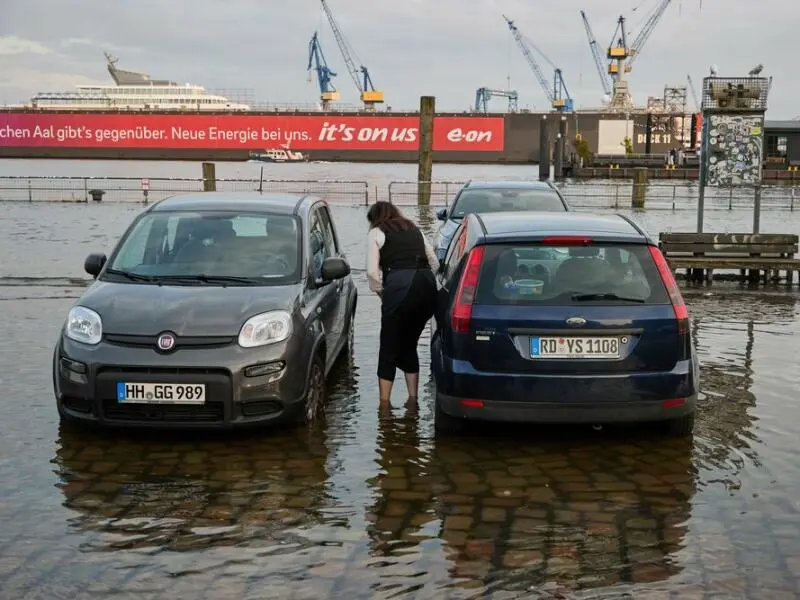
x=206 y=278
x=129 y=275
x=589 y=297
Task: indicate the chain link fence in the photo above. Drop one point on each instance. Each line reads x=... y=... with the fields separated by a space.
x=582 y=195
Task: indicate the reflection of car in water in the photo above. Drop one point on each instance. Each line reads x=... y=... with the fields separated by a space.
x=214 y=310
x=570 y=318
x=160 y=493
x=495 y=196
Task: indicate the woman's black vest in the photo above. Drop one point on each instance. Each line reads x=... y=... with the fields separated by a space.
x=403 y=250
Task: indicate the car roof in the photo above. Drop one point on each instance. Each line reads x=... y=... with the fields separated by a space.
x=508 y=185
x=267 y=202
x=530 y=225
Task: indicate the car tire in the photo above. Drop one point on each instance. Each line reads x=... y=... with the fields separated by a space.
x=349 y=341
x=444 y=423
x=316 y=396
x=680 y=427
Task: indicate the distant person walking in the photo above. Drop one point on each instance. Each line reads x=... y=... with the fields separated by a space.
x=400 y=268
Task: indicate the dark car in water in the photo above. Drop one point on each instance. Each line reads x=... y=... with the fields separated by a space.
x=214 y=310
x=561 y=318
x=495 y=196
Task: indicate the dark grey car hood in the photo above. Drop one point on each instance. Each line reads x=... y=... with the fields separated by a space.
x=197 y=310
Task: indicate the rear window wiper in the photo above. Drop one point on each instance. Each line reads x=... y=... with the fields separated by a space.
x=129 y=275
x=206 y=278
x=590 y=297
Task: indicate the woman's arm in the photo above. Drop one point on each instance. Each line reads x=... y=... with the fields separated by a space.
x=430 y=253
x=375 y=241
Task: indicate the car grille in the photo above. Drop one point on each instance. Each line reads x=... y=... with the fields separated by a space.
x=149 y=341
x=218 y=390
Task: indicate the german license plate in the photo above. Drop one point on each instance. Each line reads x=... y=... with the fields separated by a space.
x=574 y=347
x=161 y=393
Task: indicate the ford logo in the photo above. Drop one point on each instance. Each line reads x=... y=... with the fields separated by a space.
x=165 y=342
x=576 y=321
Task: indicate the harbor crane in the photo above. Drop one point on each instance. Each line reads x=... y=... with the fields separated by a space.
x=360 y=74
x=693 y=90
x=597 y=56
x=558 y=95
x=622 y=55
x=316 y=61
x=483 y=95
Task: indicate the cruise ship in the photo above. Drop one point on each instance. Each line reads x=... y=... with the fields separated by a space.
x=135 y=92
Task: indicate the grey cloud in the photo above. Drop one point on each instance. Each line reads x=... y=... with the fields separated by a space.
x=443 y=47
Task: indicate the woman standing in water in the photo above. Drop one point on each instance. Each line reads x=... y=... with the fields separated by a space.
x=400 y=269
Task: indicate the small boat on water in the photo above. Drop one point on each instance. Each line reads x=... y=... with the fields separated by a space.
x=278 y=155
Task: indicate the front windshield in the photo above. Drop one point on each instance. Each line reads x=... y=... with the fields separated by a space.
x=505 y=200
x=256 y=248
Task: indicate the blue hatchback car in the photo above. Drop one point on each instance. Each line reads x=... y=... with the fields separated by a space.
x=561 y=318
x=495 y=196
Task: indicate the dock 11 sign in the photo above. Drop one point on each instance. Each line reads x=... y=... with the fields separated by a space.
x=733 y=149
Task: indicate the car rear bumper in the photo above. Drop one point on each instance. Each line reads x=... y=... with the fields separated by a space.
x=85 y=381
x=614 y=398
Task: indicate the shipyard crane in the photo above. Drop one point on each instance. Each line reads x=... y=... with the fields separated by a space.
x=316 y=61
x=559 y=102
x=693 y=90
x=647 y=29
x=598 y=58
x=360 y=74
x=484 y=94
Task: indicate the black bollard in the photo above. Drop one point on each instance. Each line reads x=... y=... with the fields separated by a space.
x=544 y=149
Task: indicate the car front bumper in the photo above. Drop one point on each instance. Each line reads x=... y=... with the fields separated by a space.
x=244 y=386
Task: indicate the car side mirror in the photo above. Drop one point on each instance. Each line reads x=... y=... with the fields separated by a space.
x=94 y=263
x=441 y=214
x=334 y=268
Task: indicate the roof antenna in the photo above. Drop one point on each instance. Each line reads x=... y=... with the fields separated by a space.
x=261 y=181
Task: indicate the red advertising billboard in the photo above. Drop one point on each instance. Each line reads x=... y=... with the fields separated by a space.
x=246 y=132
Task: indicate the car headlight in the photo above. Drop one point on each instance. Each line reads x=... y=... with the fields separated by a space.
x=266 y=328
x=84 y=325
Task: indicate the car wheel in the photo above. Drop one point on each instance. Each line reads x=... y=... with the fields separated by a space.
x=349 y=342
x=315 y=398
x=682 y=426
x=445 y=423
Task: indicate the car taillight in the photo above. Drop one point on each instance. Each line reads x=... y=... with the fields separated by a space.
x=462 y=310
x=674 y=292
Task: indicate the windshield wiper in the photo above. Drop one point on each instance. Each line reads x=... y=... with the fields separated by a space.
x=128 y=275
x=207 y=278
x=590 y=297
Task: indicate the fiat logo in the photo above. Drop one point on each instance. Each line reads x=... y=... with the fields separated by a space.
x=165 y=342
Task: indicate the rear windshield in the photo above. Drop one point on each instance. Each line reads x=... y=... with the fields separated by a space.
x=548 y=275
x=482 y=201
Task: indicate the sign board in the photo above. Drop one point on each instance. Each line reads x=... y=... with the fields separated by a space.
x=733 y=149
x=145 y=185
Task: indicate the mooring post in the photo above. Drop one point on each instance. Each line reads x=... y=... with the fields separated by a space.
x=757 y=208
x=561 y=148
x=427 y=111
x=544 y=149
x=209 y=177
x=639 y=190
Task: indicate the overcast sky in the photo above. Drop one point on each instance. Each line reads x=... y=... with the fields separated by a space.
x=446 y=48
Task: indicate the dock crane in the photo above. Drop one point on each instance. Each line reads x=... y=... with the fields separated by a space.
x=693 y=90
x=622 y=56
x=360 y=74
x=598 y=58
x=483 y=95
x=316 y=61
x=558 y=95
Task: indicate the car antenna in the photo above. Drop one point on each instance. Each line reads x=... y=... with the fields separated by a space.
x=261 y=181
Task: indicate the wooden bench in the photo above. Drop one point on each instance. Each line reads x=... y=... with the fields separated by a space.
x=764 y=255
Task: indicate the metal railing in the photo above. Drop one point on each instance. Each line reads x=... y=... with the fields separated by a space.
x=581 y=195
x=129 y=189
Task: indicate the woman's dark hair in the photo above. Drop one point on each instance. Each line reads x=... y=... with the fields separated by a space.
x=386 y=217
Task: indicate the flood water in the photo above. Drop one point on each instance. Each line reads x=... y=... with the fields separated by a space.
x=365 y=505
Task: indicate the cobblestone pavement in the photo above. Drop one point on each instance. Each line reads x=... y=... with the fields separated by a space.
x=369 y=505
